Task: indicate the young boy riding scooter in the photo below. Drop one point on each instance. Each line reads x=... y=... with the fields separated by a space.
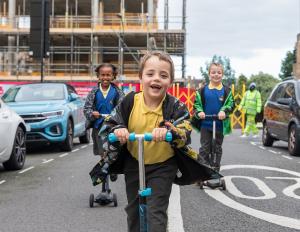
x=213 y=99
x=152 y=110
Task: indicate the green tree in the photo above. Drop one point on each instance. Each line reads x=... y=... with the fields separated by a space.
x=287 y=64
x=264 y=83
x=229 y=73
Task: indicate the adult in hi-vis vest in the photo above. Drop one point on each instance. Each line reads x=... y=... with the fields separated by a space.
x=251 y=104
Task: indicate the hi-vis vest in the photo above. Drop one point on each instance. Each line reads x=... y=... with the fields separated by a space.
x=251 y=102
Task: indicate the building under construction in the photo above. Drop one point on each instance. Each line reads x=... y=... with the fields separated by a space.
x=85 y=33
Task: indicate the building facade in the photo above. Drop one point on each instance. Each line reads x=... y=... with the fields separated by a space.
x=85 y=33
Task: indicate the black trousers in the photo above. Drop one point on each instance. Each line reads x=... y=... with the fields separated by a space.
x=214 y=160
x=159 y=177
x=97 y=142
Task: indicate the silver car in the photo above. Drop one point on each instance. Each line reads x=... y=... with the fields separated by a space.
x=12 y=138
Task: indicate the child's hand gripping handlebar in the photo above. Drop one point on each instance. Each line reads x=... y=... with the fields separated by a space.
x=132 y=137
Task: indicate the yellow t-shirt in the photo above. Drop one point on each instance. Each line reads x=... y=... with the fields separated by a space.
x=142 y=120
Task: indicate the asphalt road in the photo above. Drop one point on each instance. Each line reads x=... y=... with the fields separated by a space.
x=52 y=193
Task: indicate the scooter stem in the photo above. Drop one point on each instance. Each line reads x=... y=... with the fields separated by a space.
x=141 y=163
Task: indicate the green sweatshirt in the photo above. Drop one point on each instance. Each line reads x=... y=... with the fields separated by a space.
x=227 y=107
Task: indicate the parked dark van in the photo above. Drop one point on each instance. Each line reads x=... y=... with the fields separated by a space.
x=282 y=115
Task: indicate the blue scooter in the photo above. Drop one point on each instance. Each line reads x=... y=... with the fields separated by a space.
x=144 y=192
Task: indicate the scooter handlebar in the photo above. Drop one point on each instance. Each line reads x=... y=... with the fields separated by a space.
x=132 y=137
x=213 y=117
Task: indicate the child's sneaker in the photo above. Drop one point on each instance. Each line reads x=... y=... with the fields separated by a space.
x=244 y=136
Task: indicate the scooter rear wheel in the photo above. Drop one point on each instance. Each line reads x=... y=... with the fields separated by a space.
x=200 y=183
x=115 y=200
x=92 y=200
x=223 y=184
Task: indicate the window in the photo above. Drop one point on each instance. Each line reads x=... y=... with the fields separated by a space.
x=289 y=91
x=71 y=89
x=278 y=93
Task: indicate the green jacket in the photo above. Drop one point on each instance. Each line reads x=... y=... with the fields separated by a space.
x=227 y=106
x=251 y=102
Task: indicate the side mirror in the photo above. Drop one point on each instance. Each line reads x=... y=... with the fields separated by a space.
x=284 y=101
x=73 y=97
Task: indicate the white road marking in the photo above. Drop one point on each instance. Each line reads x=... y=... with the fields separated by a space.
x=47 y=161
x=275 y=152
x=253 y=143
x=2 y=181
x=25 y=170
x=272 y=218
x=175 y=223
x=287 y=157
x=75 y=150
x=267 y=192
x=84 y=146
x=261 y=147
x=290 y=190
x=65 y=154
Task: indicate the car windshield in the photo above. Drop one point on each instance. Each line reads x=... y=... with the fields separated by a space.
x=36 y=92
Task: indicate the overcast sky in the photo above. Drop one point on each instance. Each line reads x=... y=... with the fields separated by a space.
x=254 y=34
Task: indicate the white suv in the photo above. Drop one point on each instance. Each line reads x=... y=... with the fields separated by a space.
x=12 y=138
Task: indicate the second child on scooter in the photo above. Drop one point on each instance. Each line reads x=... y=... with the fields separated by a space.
x=213 y=99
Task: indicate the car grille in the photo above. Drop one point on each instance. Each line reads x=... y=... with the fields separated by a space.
x=32 y=137
x=31 y=118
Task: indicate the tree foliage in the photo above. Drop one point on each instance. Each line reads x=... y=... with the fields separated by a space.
x=287 y=64
x=264 y=84
x=229 y=73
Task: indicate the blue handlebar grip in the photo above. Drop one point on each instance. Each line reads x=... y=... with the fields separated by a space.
x=148 y=137
x=145 y=192
x=169 y=136
x=112 y=138
x=131 y=137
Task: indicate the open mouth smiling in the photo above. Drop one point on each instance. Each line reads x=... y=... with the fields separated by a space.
x=155 y=86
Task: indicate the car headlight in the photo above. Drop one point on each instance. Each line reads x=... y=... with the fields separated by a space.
x=53 y=114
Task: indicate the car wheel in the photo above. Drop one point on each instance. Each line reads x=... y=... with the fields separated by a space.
x=294 y=141
x=86 y=137
x=67 y=145
x=267 y=139
x=18 y=154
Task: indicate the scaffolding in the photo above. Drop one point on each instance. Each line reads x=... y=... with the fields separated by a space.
x=85 y=33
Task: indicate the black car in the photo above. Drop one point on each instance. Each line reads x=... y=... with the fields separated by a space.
x=282 y=115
